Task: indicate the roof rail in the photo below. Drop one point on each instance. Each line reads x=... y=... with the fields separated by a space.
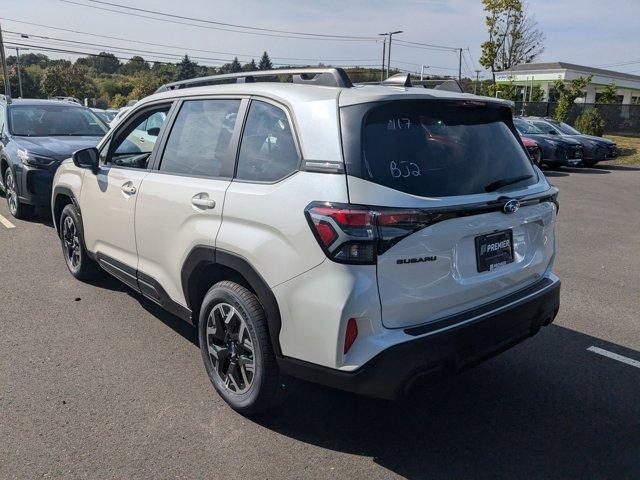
x=326 y=77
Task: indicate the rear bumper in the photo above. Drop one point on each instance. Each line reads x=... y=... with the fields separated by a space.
x=447 y=346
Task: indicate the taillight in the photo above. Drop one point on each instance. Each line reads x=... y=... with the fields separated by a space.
x=356 y=235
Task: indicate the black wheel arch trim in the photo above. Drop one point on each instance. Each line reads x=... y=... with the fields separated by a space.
x=63 y=191
x=203 y=255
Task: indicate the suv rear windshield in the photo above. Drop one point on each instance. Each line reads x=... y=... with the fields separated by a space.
x=54 y=120
x=435 y=148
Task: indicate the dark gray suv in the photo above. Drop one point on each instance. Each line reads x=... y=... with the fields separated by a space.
x=35 y=136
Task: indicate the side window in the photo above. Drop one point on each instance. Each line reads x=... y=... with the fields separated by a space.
x=268 y=151
x=199 y=139
x=132 y=146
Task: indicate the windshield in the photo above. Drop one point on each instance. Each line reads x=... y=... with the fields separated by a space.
x=567 y=129
x=526 y=128
x=546 y=127
x=439 y=149
x=54 y=120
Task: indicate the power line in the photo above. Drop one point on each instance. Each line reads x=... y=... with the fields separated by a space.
x=163 y=45
x=155 y=12
x=427 y=46
x=53 y=48
x=210 y=27
x=166 y=55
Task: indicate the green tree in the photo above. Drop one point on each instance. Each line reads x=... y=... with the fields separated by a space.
x=537 y=95
x=514 y=36
x=250 y=66
x=609 y=94
x=235 y=66
x=567 y=95
x=265 y=62
x=164 y=71
x=134 y=65
x=144 y=84
x=186 y=69
x=118 y=101
x=73 y=81
x=507 y=91
x=590 y=122
x=104 y=62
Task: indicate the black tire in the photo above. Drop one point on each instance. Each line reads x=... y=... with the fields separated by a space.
x=589 y=163
x=18 y=209
x=553 y=166
x=78 y=261
x=226 y=353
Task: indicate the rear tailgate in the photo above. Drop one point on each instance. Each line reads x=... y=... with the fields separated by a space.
x=454 y=166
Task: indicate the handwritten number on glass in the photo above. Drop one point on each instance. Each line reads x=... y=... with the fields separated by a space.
x=404 y=170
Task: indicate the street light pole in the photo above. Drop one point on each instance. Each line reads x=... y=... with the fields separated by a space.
x=18 y=68
x=475 y=89
x=5 y=73
x=459 y=64
x=422 y=69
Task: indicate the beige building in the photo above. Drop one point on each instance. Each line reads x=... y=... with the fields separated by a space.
x=546 y=74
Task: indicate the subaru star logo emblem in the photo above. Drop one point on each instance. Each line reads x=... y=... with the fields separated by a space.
x=511 y=206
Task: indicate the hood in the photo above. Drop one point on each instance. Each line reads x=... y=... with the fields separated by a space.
x=600 y=140
x=57 y=148
x=544 y=139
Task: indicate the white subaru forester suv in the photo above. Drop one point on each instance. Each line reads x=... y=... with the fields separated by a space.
x=360 y=237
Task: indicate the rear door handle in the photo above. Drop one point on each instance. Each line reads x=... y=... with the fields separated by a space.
x=128 y=188
x=202 y=200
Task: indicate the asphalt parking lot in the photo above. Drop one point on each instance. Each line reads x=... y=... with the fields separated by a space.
x=97 y=382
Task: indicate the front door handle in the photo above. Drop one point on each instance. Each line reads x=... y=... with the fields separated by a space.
x=202 y=200
x=128 y=188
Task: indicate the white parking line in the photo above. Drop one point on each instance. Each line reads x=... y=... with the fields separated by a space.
x=6 y=222
x=615 y=356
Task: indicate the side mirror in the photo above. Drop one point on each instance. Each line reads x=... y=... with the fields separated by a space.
x=553 y=132
x=153 y=132
x=87 y=158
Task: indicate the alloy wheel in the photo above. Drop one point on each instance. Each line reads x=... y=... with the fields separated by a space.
x=230 y=348
x=11 y=193
x=71 y=242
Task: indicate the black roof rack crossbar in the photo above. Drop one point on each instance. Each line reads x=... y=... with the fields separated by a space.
x=326 y=77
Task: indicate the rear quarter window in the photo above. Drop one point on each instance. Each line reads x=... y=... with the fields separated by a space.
x=434 y=148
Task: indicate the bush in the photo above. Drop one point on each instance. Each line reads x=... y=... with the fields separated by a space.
x=590 y=123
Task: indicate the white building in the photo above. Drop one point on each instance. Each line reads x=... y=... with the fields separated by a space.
x=546 y=74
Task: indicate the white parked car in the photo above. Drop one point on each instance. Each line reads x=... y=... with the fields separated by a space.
x=361 y=237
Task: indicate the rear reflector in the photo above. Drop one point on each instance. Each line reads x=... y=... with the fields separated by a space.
x=351 y=334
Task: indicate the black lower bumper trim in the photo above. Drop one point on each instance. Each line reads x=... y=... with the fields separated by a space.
x=390 y=373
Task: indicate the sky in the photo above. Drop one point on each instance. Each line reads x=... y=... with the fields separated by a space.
x=576 y=30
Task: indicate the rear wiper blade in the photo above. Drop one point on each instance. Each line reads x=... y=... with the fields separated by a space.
x=493 y=186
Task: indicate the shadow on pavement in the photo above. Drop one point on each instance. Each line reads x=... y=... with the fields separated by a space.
x=545 y=409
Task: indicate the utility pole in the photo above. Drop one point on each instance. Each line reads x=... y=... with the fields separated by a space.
x=18 y=68
x=390 y=35
x=384 y=53
x=5 y=73
x=459 y=64
x=475 y=88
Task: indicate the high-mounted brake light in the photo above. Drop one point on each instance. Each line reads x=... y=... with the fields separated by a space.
x=356 y=235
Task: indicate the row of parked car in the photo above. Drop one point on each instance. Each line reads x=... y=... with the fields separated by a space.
x=554 y=144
